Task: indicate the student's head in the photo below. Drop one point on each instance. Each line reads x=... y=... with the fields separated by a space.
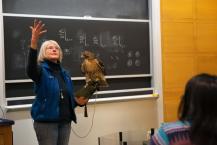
x=199 y=106
x=50 y=50
x=200 y=98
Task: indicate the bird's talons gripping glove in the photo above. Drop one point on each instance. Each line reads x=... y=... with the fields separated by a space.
x=87 y=92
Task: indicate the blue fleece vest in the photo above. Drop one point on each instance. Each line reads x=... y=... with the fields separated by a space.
x=46 y=104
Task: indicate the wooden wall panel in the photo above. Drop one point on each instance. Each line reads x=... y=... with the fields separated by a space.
x=178 y=37
x=177 y=69
x=171 y=104
x=177 y=9
x=189 y=46
x=207 y=37
x=206 y=9
x=207 y=63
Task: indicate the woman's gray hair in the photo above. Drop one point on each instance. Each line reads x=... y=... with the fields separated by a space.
x=42 y=55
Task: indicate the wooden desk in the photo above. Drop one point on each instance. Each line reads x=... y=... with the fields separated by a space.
x=6 y=134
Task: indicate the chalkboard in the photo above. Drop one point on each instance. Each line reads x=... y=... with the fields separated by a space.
x=123 y=46
x=130 y=9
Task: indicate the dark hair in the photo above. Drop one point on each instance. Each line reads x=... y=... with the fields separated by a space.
x=199 y=106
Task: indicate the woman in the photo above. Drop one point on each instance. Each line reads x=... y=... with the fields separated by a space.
x=197 y=123
x=53 y=108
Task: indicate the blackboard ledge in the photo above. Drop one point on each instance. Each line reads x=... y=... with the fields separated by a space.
x=93 y=101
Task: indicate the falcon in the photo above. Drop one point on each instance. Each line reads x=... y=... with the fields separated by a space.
x=93 y=69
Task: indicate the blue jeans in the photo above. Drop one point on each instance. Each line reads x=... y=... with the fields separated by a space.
x=52 y=133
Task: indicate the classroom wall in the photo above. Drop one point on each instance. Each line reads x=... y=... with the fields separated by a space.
x=189 y=46
x=109 y=118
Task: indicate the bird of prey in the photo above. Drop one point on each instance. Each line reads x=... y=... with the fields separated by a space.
x=93 y=68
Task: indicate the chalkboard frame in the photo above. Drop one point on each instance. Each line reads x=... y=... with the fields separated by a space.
x=149 y=88
x=119 y=9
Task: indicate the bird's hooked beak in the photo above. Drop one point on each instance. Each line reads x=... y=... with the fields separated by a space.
x=82 y=54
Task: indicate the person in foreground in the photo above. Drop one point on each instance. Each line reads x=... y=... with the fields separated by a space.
x=197 y=111
x=53 y=107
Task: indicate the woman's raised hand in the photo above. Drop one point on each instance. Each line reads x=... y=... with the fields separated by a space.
x=37 y=31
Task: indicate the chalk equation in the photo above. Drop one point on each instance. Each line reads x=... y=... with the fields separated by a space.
x=103 y=39
x=122 y=46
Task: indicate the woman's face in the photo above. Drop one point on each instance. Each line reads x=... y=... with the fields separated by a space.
x=52 y=53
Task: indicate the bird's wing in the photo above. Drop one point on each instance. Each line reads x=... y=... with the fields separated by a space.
x=100 y=65
x=83 y=67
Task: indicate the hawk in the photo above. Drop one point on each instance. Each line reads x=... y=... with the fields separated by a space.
x=93 y=68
